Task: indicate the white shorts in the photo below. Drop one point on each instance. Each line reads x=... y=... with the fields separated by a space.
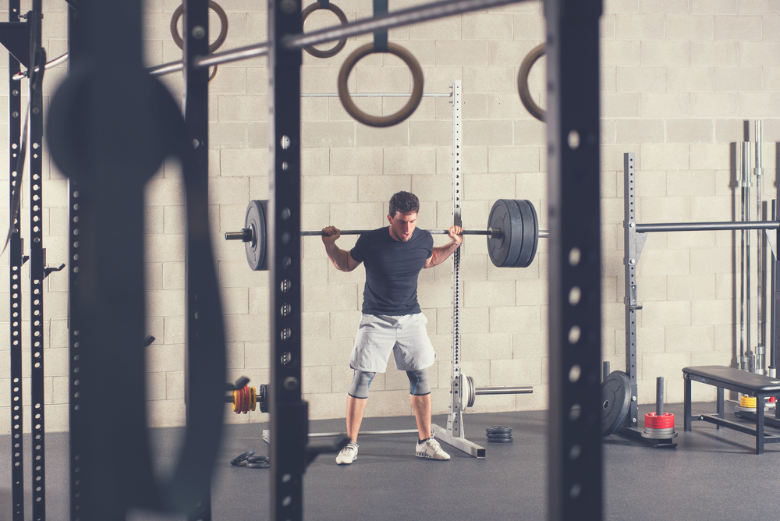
x=404 y=335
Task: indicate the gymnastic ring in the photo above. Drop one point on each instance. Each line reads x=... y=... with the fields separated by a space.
x=406 y=110
x=214 y=73
x=342 y=18
x=522 y=82
x=223 y=29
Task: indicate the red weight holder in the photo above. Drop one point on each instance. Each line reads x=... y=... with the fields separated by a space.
x=665 y=421
x=239 y=401
x=246 y=399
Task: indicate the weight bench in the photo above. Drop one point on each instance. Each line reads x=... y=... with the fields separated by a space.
x=750 y=384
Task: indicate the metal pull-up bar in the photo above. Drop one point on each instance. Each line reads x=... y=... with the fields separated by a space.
x=713 y=226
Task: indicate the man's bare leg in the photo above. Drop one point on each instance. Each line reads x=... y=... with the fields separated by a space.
x=422 y=413
x=355 y=408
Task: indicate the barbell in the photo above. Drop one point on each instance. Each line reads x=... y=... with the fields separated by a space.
x=512 y=234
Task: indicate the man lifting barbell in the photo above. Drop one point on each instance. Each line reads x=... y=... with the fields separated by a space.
x=392 y=320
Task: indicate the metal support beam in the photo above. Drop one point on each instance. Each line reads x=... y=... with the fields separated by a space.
x=632 y=250
x=575 y=463
x=289 y=413
x=16 y=260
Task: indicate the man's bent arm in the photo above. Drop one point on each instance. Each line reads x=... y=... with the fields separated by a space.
x=341 y=259
x=440 y=254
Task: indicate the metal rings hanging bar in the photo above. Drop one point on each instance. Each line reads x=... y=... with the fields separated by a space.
x=709 y=226
x=522 y=82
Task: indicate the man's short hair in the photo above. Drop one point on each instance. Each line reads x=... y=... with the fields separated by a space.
x=404 y=202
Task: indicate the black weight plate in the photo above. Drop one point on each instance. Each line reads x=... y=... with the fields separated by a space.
x=499 y=429
x=256 y=249
x=530 y=233
x=500 y=435
x=499 y=440
x=262 y=398
x=503 y=250
x=616 y=399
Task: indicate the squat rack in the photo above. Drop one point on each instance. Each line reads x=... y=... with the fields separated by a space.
x=635 y=235
x=575 y=476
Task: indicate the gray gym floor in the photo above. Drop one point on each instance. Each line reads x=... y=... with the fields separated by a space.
x=713 y=475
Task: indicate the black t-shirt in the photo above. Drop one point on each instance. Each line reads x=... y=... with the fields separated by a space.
x=391 y=270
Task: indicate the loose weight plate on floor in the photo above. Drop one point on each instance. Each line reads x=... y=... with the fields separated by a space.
x=616 y=400
x=515 y=246
x=256 y=248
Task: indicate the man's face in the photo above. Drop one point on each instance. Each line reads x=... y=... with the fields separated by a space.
x=402 y=225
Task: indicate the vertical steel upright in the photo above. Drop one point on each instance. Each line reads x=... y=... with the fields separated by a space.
x=16 y=260
x=289 y=413
x=195 y=32
x=75 y=413
x=37 y=265
x=455 y=418
x=633 y=243
x=574 y=451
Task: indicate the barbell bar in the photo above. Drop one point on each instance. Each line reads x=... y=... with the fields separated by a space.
x=512 y=234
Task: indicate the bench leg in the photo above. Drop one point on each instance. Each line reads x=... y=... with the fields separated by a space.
x=759 y=425
x=687 y=405
x=721 y=408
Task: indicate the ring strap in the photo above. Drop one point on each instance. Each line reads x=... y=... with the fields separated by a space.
x=380 y=37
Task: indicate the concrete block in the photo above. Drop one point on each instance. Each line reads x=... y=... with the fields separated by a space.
x=380 y=188
x=758 y=105
x=663 y=6
x=165 y=358
x=488 y=293
x=397 y=136
x=689 y=79
x=713 y=208
x=639 y=131
x=316 y=379
x=328 y=134
x=327 y=298
x=409 y=160
x=620 y=53
x=505 y=53
x=664 y=157
x=706 y=312
x=359 y=216
x=665 y=105
x=235 y=301
x=489 y=79
x=620 y=105
x=236 y=274
x=650 y=340
x=475 y=160
x=639 y=27
x=666 y=314
x=690 y=131
x=715 y=53
x=688 y=27
x=714 y=105
x=770 y=27
x=644 y=79
x=489 y=186
x=689 y=338
x=529 y=132
x=692 y=286
x=461 y=53
x=711 y=260
x=737 y=78
x=724 y=286
x=321 y=189
x=667 y=365
x=480 y=26
x=434 y=188
x=665 y=54
x=607 y=27
x=173 y=275
x=436 y=295
x=514 y=159
x=443 y=29
x=531 y=292
x=517 y=318
x=741 y=28
x=256 y=355
x=487 y=133
x=360 y=161
x=430 y=133
x=713 y=7
x=518 y=371
x=439 y=78
x=245 y=162
x=382 y=79
x=529 y=345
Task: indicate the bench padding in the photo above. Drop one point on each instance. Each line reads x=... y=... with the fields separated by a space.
x=735 y=377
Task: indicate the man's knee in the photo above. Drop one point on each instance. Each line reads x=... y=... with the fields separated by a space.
x=418 y=382
x=361 y=381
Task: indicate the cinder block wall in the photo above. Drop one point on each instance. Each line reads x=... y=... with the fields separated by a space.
x=678 y=80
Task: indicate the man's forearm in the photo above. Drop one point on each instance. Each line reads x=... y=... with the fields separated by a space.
x=337 y=256
x=441 y=253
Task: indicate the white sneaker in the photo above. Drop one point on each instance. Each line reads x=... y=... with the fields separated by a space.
x=430 y=448
x=348 y=454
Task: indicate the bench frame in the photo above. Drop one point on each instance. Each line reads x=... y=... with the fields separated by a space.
x=719 y=417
